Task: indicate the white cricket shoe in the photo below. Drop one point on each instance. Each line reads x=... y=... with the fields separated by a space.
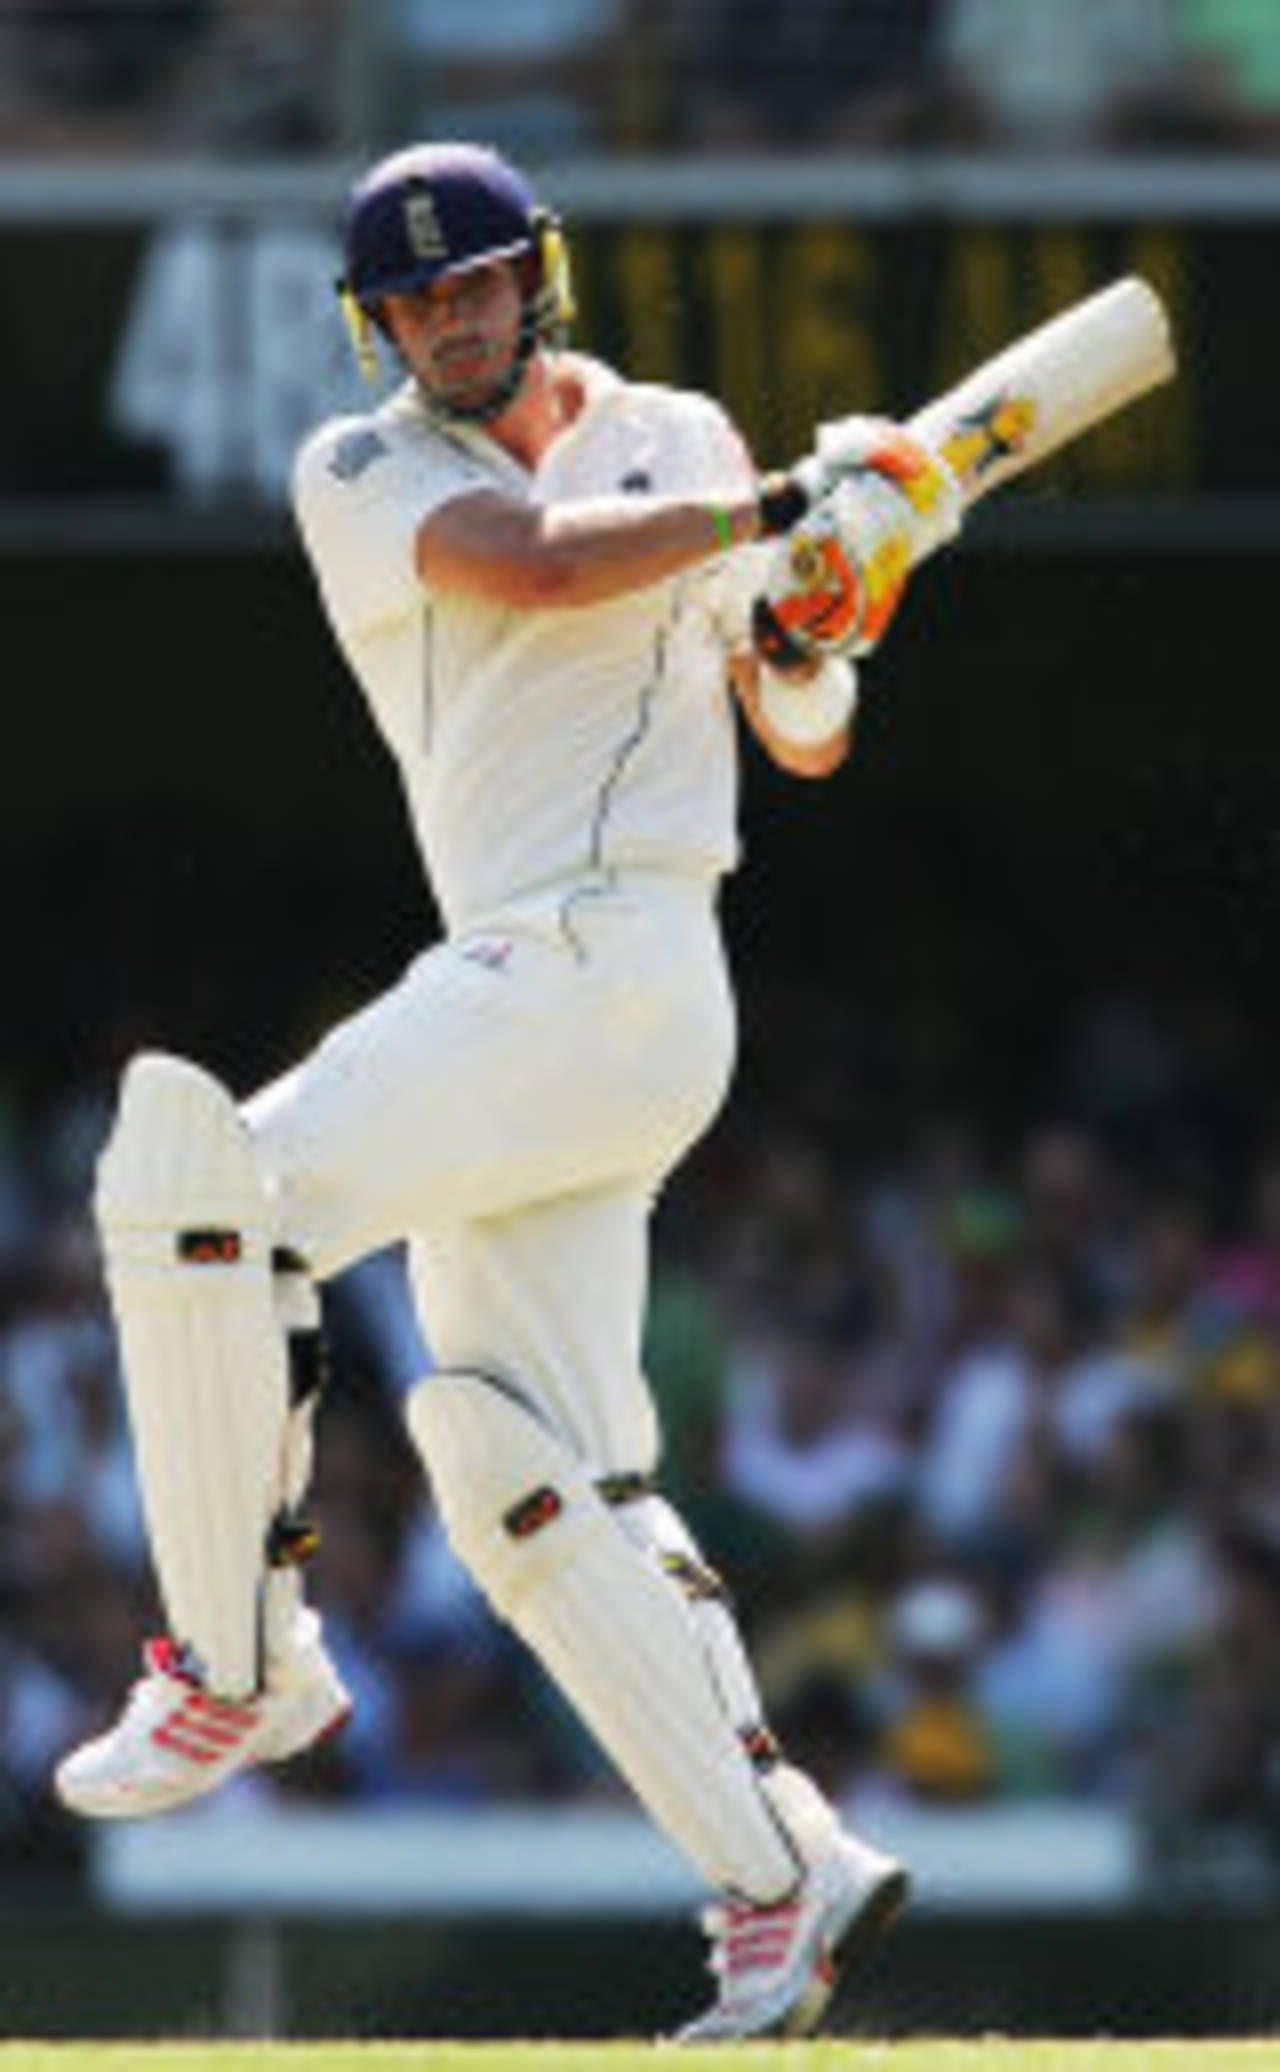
x=176 y=1741
x=779 y=1967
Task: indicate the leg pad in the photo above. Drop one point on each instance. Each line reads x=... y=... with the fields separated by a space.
x=187 y=1237
x=612 y=1627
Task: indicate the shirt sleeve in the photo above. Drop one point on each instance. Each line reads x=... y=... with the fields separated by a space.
x=360 y=493
x=716 y=449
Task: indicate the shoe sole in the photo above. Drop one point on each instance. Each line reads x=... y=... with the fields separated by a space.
x=850 y=1953
x=277 y=1758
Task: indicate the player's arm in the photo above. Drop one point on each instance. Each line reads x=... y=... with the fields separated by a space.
x=587 y=551
x=535 y=556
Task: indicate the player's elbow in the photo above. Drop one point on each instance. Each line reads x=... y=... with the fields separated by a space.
x=494 y=547
x=546 y=575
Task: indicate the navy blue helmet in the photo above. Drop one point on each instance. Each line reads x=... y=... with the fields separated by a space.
x=436 y=209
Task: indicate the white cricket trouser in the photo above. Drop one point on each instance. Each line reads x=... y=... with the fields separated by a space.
x=511 y=1107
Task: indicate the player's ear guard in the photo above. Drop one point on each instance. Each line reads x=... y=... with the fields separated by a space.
x=559 y=307
x=359 y=328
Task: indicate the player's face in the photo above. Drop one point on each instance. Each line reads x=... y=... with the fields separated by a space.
x=459 y=334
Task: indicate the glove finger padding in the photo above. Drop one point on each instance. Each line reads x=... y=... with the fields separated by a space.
x=854 y=448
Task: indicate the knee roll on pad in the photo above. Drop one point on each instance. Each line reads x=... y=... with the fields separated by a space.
x=187 y=1237
x=615 y=1631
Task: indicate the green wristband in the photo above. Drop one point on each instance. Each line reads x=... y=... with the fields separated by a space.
x=721 y=525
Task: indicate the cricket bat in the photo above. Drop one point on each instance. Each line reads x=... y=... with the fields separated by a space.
x=1011 y=412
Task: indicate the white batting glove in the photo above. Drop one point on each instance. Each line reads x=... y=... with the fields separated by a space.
x=852 y=449
x=856 y=515
x=860 y=450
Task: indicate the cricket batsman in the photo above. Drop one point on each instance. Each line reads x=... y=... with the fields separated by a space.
x=557 y=590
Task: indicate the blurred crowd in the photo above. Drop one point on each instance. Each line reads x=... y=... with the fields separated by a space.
x=547 y=77
x=978 y=1412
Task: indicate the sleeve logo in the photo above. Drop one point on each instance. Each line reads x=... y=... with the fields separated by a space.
x=354 y=452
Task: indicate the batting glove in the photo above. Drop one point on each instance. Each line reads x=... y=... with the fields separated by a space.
x=838 y=574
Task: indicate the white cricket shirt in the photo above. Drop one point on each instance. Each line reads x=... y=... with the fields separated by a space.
x=539 y=746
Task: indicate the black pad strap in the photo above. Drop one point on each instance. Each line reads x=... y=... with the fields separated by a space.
x=626 y=1489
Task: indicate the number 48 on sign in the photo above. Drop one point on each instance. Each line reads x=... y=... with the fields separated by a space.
x=231 y=353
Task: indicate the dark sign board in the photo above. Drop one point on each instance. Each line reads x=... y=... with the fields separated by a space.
x=182 y=359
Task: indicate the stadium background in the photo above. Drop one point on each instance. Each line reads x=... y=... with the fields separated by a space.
x=967 y=1316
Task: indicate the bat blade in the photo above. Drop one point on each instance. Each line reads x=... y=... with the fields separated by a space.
x=1050 y=386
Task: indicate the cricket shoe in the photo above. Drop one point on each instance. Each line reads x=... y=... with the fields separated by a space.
x=175 y=1740
x=782 y=1970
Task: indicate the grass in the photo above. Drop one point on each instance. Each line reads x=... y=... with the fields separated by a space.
x=980 y=2054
